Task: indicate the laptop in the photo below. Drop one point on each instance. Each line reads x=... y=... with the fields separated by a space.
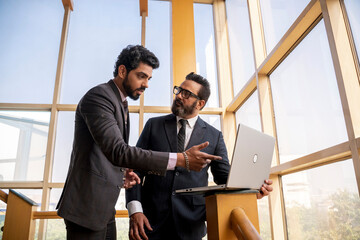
x=250 y=165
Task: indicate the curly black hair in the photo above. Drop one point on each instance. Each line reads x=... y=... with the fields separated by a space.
x=132 y=55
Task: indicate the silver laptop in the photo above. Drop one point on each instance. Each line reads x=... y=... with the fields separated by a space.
x=250 y=165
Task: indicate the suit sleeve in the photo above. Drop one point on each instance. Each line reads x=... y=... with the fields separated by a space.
x=134 y=193
x=98 y=111
x=220 y=169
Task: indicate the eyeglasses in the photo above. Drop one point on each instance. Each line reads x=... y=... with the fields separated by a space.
x=184 y=93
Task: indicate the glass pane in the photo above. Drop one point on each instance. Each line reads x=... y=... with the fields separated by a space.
x=30 y=33
x=205 y=49
x=307 y=105
x=159 y=25
x=278 y=16
x=134 y=129
x=353 y=11
x=319 y=204
x=63 y=145
x=56 y=229
x=55 y=194
x=249 y=113
x=241 y=51
x=213 y=120
x=23 y=141
x=264 y=218
x=122 y=228
x=97 y=34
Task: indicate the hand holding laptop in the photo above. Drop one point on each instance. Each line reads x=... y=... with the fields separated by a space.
x=265 y=189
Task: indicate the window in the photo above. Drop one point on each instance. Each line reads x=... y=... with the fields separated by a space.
x=205 y=49
x=241 y=50
x=353 y=10
x=307 y=105
x=29 y=46
x=158 y=41
x=277 y=16
x=249 y=114
x=97 y=35
x=319 y=204
x=23 y=142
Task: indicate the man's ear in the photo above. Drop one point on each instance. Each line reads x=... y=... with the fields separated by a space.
x=122 y=71
x=201 y=104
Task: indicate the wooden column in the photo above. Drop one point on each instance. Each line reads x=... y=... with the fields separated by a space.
x=218 y=211
x=19 y=223
x=183 y=40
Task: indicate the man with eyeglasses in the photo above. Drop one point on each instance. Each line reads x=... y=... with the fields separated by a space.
x=101 y=156
x=155 y=211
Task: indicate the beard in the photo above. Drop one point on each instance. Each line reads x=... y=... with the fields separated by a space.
x=178 y=108
x=129 y=91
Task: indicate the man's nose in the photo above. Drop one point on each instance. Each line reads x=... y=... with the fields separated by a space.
x=145 y=83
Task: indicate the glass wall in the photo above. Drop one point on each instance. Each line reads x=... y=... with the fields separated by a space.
x=97 y=34
x=23 y=142
x=277 y=16
x=29 y=47
x=307 y=105
x=241 y=50
x=353 y=10
x=319 y=204
x=205 y=49
x=158 y=41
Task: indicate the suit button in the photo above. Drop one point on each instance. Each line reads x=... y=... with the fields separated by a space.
x=177 y=174
x=122 y=169
x=173 y=193
x=118 y=186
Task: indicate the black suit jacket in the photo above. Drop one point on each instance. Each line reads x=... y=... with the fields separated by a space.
x=157 y=194
x=99 y=152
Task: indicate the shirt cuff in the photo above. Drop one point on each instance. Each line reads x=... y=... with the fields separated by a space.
x=133 y=207
x=172 y=161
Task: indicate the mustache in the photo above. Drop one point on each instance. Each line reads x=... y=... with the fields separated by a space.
x=141 y=88
x=177 y=101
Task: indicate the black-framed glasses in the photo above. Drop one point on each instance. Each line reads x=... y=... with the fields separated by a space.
x=184 y=93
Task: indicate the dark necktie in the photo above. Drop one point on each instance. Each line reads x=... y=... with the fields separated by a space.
x=181 y=136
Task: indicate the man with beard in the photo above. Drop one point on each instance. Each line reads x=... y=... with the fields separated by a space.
x=155 y=211
x=101 y=155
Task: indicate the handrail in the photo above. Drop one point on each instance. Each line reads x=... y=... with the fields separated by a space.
x=3 y=196
x=242 y=226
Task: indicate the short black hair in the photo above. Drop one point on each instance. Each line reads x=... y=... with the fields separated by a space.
x=204 y=92
x=132 y=55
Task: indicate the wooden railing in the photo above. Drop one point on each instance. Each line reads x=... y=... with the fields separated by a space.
x=242 y=226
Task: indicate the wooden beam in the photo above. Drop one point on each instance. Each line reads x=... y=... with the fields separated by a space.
x=333 y=154
x=143 y=8
x=183 y=40
x=68 y=3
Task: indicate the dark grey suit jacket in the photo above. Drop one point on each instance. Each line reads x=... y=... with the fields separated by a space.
x=157 y=193
x=99 y=152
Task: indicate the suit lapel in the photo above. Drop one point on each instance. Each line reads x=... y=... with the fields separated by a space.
x=170 y=125
x=125 y=130
x=197 y=134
